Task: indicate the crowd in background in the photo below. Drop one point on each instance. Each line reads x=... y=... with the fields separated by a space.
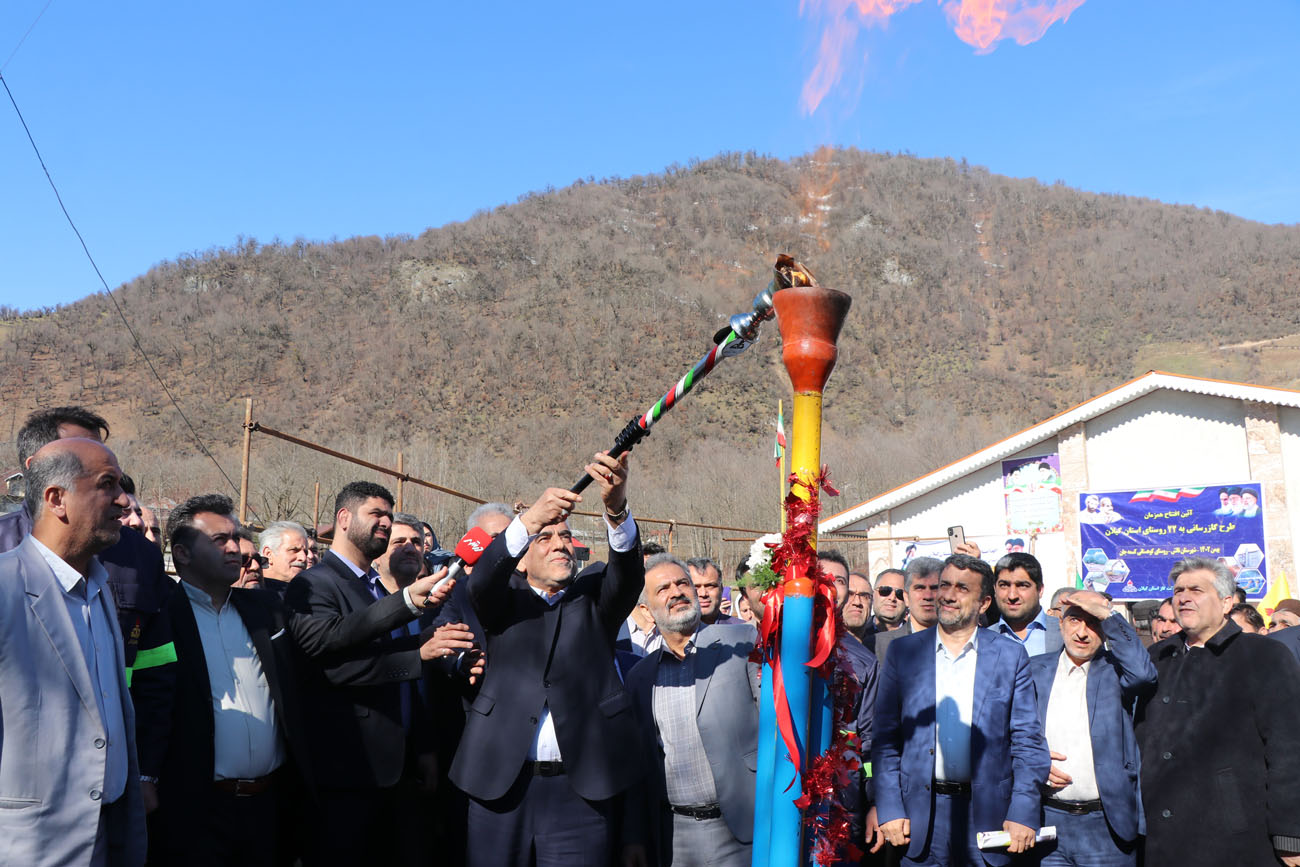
x=271 y=700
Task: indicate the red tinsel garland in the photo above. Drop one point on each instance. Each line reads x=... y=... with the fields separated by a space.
x=835 y=769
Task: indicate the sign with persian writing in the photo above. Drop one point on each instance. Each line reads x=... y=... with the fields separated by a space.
x=1032 y=487
x=1130 y=540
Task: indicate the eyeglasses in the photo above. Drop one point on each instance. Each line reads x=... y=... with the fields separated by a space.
x=248 y=560
x=886 y=592
x=864 y=595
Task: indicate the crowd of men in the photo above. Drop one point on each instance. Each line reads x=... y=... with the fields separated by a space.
x=275 y=704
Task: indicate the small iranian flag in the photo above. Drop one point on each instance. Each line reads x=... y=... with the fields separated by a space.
x=779 y=450
x=1165 y=495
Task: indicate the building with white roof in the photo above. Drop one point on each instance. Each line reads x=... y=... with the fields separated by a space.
x=1156 y=435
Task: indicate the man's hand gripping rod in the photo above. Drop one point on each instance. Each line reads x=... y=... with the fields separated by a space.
x=739 y=335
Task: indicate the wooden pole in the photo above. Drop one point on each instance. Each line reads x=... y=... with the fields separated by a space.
x=243 y=470
x=315 y=511
x=401 y=482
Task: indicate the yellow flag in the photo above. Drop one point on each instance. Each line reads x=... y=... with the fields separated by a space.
x=1279 y=588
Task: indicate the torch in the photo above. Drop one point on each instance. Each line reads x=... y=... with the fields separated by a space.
x=739 y=335
x=810 y=318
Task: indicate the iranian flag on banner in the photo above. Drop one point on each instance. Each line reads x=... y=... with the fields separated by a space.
x=1165 y=495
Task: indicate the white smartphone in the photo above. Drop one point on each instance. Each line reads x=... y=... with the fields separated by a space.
x=956 y=536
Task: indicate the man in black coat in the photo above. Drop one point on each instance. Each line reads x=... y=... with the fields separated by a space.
x=134 y=565
x=360 y=679
x=549 y=741
x=1220 y=750
x=222 y=733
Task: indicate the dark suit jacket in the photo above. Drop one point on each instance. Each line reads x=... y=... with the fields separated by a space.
x=726 y=709
x=561 y=656
x=1009 y=756
x=882 y=640
x=353 y=684
x=175 y=721
x=1290 y=636
x=1220 y=750
x=136 y=575
x=1117 y=676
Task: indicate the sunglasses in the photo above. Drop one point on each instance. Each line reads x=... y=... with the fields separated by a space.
x=248 y=560
x=886 y=592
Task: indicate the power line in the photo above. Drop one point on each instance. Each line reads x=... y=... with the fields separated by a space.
x=109 y=292
x=25 y=35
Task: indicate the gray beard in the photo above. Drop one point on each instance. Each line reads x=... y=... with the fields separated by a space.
x=683 y=623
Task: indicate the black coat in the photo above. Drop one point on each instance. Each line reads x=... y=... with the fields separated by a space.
x=559 y=655
x=174 y=712
x=1220 y=751
x=353 y=683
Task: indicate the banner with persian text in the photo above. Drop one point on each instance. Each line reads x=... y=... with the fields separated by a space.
x=1032 y=488
x=1130 y=540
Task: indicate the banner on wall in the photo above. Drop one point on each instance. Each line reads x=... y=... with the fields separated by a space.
x=992 y=548
x=1032 y=487
x=1130 y=540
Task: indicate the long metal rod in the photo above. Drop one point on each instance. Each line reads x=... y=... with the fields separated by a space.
x=258 y=427
x=740 y=333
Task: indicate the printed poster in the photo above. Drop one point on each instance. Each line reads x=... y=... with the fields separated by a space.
x=1130 y=540
x=1032 y=487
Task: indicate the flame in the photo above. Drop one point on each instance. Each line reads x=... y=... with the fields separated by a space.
x=983 y=22
x=815 y=188
x=980 y=23
x=838 y=37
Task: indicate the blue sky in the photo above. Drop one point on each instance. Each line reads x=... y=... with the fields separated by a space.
x=175 y=127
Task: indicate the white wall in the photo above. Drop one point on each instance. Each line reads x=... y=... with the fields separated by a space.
x=1164 y=438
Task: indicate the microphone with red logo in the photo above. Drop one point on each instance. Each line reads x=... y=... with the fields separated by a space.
x=468 y=550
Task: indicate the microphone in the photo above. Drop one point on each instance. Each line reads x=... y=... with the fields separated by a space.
x=468 y=550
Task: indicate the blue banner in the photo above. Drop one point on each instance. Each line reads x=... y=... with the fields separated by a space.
x=1130 y=540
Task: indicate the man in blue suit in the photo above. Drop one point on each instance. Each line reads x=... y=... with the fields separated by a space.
x=958 y=746
x=1086 y=695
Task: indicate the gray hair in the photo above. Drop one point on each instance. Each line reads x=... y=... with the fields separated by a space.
x=920 y=567
x=1224 y=583
x=660 y=559
x=59 y=470
x=273 y=536
x=681 y=624
x=1056 y=597
x=488 y=509
x=703 y=564
x=406 y=519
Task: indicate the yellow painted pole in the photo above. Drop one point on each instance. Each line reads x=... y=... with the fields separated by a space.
x=806 y=446
x=782 y=466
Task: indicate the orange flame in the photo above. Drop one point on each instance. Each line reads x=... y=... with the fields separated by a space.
x=981 y=23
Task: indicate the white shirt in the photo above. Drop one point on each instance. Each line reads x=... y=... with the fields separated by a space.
x=954 y=702
x=84 y=597
x=546 y=747
x=245 y=739
x=1068 y=731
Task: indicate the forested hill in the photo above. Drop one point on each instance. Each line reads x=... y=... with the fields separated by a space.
x=500 y=351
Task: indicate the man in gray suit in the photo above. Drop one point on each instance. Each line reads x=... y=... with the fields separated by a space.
x=920 y=585
x=1018 y=591
x=69 y=783
x=696 y=700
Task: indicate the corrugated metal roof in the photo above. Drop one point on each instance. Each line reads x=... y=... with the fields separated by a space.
x=1102 y=403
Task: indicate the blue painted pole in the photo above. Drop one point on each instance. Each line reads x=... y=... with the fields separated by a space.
x=796 y=630
x=822 y=718
x=767 y=746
